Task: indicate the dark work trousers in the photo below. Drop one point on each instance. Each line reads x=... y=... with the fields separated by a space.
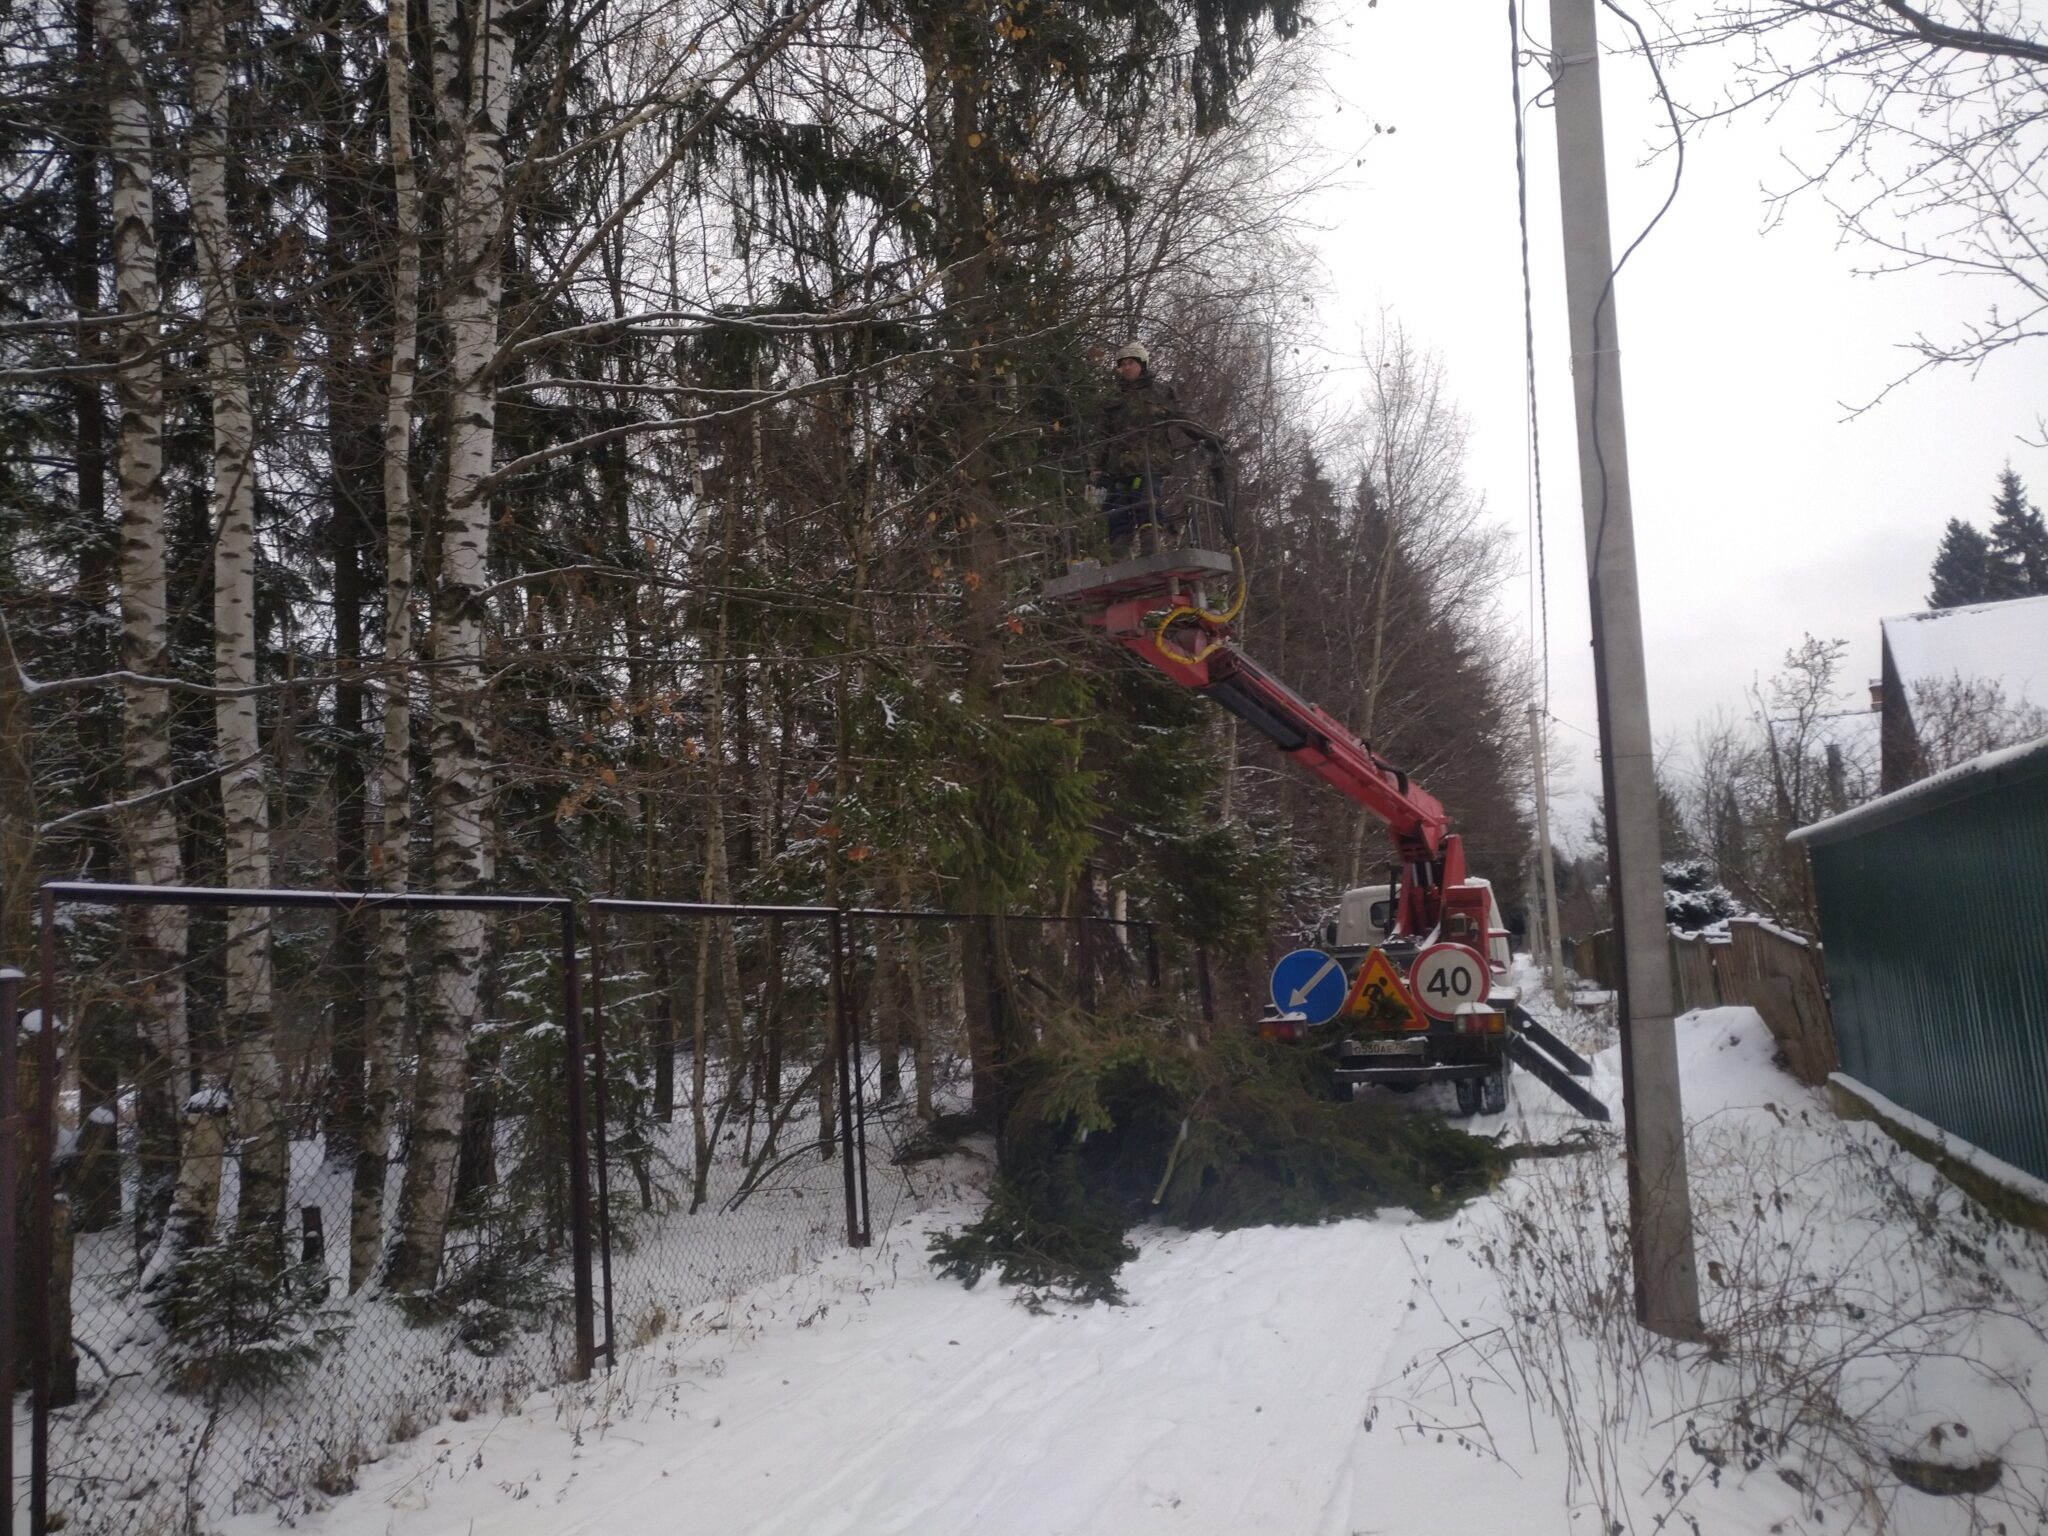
x=1134 y=500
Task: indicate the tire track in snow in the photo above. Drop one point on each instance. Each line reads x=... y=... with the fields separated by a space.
x=1225 y=1398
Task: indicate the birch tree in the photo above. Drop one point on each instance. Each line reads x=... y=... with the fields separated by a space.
x=462 y=856
x=393 y=855
x=245 y=801
x=150 y=828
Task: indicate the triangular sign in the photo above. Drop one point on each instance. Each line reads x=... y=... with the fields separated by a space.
x=1379 y=1001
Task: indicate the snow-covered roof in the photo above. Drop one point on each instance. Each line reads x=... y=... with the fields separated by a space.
x=2005 y=643
x=2022 y=761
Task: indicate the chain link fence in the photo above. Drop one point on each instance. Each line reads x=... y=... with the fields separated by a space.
x=730 y=1145
x=215 y=1204
x=219 y=1174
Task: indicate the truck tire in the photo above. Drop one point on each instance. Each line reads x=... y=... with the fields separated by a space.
x=1493 y=1090
x=1467 y=1089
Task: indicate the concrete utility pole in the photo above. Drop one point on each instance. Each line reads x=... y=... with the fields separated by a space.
x=1546 y=873
x=1667 y=1287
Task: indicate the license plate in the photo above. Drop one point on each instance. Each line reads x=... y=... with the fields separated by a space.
x=1389 y=1048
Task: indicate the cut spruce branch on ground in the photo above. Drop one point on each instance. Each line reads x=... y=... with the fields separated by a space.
x=1141 y=1120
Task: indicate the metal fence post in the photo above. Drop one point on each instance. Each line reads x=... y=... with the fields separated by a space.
x=43 y=1214
x=843 y=1063
x=860 y=1109
x=602 y=1108
x=579 y=1151
x=10 y=993
x=998 y=1028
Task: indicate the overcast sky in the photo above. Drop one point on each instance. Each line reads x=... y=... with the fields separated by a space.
x=1761 y=514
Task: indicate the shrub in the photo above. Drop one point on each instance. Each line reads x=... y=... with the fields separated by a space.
x=496 y=1284
x=236 y=1319
x=1693 y=898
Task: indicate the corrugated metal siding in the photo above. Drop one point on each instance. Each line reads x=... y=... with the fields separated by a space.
x=1936 y=935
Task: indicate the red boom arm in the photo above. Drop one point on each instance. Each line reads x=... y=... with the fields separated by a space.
x=1432 y=856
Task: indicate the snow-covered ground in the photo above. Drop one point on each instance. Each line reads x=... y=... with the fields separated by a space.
x=132 y=1458
x=1480 y=1374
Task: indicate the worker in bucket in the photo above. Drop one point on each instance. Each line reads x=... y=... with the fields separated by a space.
x=1144 y=430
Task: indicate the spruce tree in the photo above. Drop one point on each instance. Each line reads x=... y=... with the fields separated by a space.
x=1962 y=567
x=2017 y=563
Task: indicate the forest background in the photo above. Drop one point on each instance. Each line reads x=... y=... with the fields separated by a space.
x=614 y=448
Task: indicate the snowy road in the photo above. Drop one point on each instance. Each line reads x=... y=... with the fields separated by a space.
x=1232 y=1394
x=1225 y=1397
x=1476 y=1375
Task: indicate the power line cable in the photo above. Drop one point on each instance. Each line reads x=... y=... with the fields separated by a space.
x=1607 y=288
x=1534 y=462
x=1559 y=719
x=1600 y=310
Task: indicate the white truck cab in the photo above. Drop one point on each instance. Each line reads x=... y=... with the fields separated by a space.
x=1364 y=919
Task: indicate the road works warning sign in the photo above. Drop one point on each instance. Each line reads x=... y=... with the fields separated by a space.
x=1378 y=1001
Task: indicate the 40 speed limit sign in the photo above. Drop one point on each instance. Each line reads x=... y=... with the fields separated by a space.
x=1446 y=978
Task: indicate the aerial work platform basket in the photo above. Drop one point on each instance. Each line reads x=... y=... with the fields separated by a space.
x=1167 y=578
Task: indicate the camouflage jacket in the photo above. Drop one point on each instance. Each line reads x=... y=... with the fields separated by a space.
x=1145 y=429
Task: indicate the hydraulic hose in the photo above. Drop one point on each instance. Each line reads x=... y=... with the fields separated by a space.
x=1204 y=616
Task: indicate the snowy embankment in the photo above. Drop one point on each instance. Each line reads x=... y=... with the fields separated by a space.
x=1480 y=1374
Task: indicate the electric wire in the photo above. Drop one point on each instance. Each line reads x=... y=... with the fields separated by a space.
x=1607 y=288
x=1608 y=767
x=1560 y=720
x=1600 y=311
x=1534 y=465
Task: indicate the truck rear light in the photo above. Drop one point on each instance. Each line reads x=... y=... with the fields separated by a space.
x=1280 y=1029
x=1484 y=1023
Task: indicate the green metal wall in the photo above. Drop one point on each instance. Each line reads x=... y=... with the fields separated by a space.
x=1934 y=918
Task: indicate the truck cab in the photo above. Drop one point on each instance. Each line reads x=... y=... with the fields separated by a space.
x=1364 y=919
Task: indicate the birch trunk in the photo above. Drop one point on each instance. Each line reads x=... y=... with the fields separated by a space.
x=150 y=831
x=392 y=858
x=959 y=1022
x=921 y=1037
x=195 y=1202
x=915 y=1017
x=462 y=861
x=245 y=801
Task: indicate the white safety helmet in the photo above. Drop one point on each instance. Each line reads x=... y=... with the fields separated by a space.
x=1135 y=351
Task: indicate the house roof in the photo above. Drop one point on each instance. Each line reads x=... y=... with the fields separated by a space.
x=2004 y=643
x=2024 y=760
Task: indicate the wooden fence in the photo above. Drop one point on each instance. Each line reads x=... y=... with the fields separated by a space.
x=1756 y=965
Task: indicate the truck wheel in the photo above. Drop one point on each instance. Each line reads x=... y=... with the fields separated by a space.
x=1493 y=1090
x=1468 y=1094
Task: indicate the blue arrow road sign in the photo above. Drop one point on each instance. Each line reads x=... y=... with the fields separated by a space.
x=1310 y=983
